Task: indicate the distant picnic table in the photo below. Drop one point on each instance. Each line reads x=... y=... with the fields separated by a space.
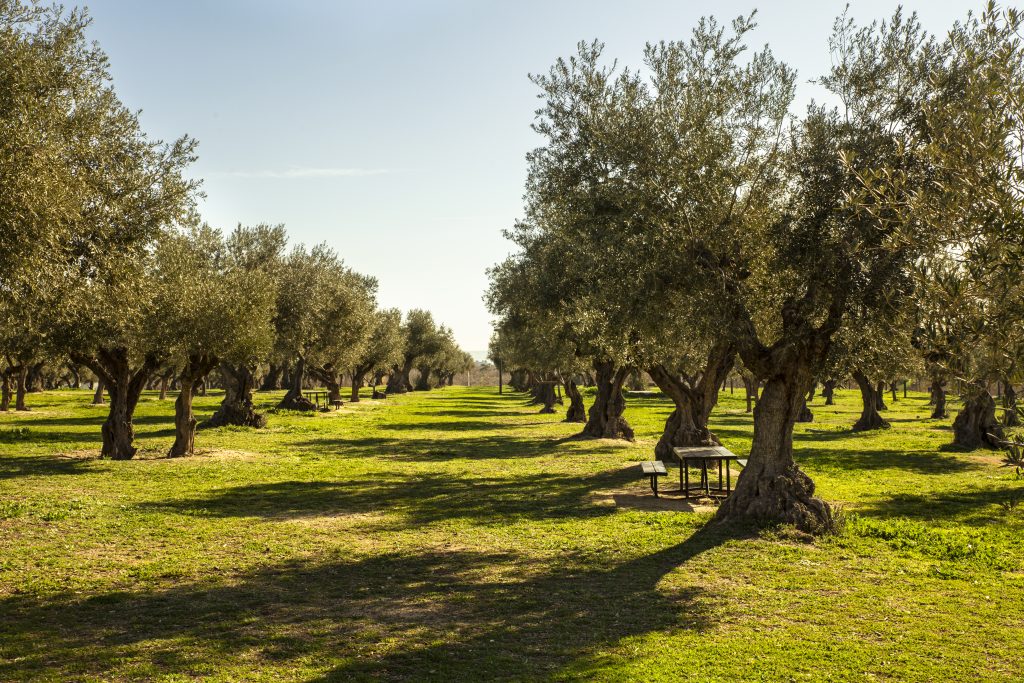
x=314 y=398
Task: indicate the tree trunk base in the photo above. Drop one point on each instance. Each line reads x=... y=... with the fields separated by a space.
x=785 y=498
x=805 y=415
x=296 y=403
x=239 y=415
x=869 y=422
x=976 y=425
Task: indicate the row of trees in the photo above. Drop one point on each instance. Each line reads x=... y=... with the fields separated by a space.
x=680 y=220
x=104 y=261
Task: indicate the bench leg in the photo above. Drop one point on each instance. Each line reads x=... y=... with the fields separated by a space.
x=654 y=484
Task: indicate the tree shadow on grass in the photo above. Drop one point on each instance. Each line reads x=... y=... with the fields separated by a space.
x=34 y=466
x=416 y=499
x=974 y=507
x=439 y=449
x=917 y=461
x=428 y=615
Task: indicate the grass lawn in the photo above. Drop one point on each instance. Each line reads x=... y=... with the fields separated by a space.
x=458 y=535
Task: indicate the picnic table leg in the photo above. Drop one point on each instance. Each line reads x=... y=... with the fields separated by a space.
x=704 y=479
x=728 y=480
x=684 y=473
x=719 y=476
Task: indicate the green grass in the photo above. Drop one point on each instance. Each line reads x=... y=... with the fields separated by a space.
x=458 y=535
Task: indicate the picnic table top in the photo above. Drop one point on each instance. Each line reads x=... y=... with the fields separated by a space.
x=704 y=453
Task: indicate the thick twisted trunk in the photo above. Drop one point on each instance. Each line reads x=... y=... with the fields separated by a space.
x=771 y=488
x=124 y=386
x=545 y=392
x=5 y=391
x=293 y=398
x=892 y=390
x=879 y=396
x=237 y=407
x=828 y=390
x=196 y=368
x=577 y=411
x=97 y=397
x=423 y=381
x=21 y=387
x=377 y=377
x=694 y=400
x=976 y=425
x=398 y=381
x=357 y=383
x=805 y=414
x=938 y=393
x=273 y=379
x=605 y=419
x=869 y=417
x=1010 y=417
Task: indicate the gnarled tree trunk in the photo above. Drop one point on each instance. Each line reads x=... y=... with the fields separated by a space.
x=828 y=390
x=237 y=407
x=357 y=383
x=869 y=417
x=880 y=396
x=976 y=425
x=694 y=398
x=938 y=393
x=21 y=387
x=5 y=391
x=577 y=411
x=771 y=488
x=196 y=368
x=545 y=391
x=605 y=419
x=124 y=386
x=97 y=397
x=1010 y=417
x=805 y=414
x=750 y=387
x=293 y=398
x=423 y=381
x=272 y=380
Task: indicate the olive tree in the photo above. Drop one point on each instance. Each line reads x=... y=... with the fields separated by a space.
x=210 y=310
x=421 y=339
x=383 y=350
x=323 y=320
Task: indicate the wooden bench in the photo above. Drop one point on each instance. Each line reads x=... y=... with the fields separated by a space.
x=653 y=469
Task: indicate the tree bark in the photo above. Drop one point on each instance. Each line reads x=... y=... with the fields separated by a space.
x=196 y=368
x=124 y=385
x=1010 y=417
x=97 y=397
x=828 y=390
x=749 y=388
x=938 y=392
x=880 y=396
x=357 y=384
x=869 y=417
x=805 y=414
x=293 y=398
x=577 y=411
x=976 y=425
x=771 y=488
x=237 y=407
x=5 y=391
x=605 y=419
x=163 y=387
x=892 y=390
x=546 y=395
x=273 y=379
x=20 y=387
x=423 y=381
x=693 y=398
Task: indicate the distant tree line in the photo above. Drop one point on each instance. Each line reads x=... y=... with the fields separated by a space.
x=106 y=269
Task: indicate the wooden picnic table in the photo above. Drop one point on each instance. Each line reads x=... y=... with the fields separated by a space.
x=703 y=457
x=314 y=397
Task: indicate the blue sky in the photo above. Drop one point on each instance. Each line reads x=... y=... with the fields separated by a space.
x=396 y=132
